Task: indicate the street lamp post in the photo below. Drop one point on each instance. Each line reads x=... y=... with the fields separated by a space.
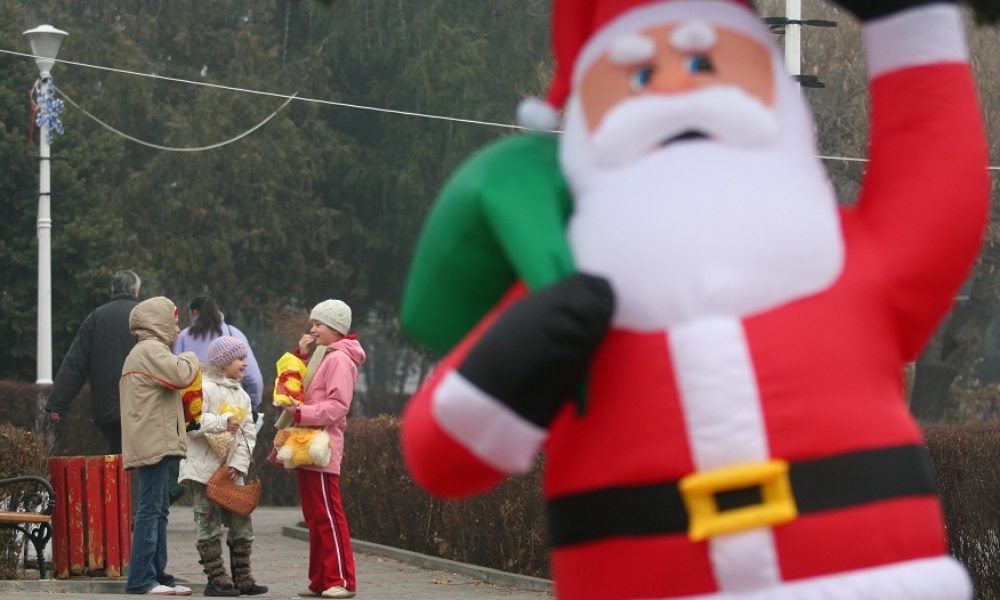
x=45 y=41
x=793 y=37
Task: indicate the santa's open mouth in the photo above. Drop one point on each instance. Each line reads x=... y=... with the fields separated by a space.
x=690 y=134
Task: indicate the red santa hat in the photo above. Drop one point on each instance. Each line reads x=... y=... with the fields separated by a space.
x=581 y=29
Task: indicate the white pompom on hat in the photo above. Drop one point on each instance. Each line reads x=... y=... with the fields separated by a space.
x=334 y=313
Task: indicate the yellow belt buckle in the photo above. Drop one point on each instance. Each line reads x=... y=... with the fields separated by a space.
x=705 y=520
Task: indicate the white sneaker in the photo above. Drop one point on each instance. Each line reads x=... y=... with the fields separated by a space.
x=338 y=592
x=162 y=590
x=182 y=590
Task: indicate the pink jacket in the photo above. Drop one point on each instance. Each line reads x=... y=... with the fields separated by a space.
x=328 y=397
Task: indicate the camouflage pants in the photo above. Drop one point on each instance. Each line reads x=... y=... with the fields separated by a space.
x=209 y=518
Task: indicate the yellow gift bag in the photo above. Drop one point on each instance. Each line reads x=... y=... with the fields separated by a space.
x=191 y=397
x=288 y=387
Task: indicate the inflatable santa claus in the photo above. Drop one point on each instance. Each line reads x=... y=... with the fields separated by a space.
x=668 y=300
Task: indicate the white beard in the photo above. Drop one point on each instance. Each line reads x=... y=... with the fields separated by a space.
x=704 y=228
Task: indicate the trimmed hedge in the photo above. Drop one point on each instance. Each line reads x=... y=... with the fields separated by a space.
x=505 y=529
x=967 y=462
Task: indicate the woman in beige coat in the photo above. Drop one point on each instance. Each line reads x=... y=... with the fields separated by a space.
x=153 y=430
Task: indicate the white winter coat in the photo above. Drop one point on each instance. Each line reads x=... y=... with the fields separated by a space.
x=202 y=461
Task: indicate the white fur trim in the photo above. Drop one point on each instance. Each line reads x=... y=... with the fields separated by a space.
x=719 y=13
x=725 y=424
x=941 y=578
x=696 y=36
x=489 y=429
x=537 y=115
x=631 y=49
x=918 y=36
x=718 y=387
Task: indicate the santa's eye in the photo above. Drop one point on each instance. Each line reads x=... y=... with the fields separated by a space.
x=640 y=78
x=699 y=63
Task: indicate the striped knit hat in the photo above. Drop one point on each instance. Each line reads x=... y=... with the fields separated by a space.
x=225 y=350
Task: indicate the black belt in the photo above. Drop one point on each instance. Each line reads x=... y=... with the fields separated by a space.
x=817 y=485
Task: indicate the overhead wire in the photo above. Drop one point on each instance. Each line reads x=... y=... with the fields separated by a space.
x=288 y=98
x=232 y=88
x=177 y=148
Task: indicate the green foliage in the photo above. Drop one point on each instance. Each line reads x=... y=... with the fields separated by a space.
x=323 y=201
x=986 y=11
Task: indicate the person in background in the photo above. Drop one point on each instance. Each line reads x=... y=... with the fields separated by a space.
x=226 y=412
x=152 y=419
x=327 y=402
x=96 y=355
x=207 y=325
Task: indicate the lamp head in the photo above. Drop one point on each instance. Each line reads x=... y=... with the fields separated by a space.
x=45 y=42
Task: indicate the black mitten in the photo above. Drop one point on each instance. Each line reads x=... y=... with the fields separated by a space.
x=537 y=353
x=865 y=10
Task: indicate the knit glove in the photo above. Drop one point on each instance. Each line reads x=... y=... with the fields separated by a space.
x=536 y=354
x=866 y=10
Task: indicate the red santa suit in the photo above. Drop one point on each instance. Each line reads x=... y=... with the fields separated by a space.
x=746 y=434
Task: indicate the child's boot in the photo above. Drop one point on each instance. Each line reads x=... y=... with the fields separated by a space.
x=239 y=558
x=219 y=583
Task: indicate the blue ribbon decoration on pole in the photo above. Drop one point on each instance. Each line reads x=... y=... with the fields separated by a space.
x=48 y=113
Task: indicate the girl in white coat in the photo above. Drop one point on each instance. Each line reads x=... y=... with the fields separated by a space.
x=225 y=408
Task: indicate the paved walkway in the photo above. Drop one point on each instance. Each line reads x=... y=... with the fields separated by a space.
x=280 y=562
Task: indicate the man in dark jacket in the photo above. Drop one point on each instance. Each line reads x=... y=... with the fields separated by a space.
x=96 y=355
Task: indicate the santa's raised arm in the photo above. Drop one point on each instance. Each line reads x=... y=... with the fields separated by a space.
x=922 y=195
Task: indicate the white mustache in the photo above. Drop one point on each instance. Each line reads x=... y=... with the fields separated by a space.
x=724 y=113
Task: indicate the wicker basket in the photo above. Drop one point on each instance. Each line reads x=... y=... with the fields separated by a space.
x=238 y=499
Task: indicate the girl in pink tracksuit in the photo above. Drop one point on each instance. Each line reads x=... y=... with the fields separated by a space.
x=327 y=401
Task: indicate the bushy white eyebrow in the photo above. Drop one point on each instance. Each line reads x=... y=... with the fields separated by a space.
x=694 y=36
x=631 y=49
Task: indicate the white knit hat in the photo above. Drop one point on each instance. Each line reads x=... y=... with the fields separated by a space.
x=335 y=313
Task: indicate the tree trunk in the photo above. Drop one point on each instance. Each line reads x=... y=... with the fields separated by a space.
x=957 y=341
x=931 y=389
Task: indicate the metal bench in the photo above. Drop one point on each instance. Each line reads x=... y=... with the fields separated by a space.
x=30 y=513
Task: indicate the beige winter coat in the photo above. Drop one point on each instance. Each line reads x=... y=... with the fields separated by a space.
x=202 y=461
x=152 y=377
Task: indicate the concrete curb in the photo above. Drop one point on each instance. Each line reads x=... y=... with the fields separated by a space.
x=81 y=585
x=424 y=561
x=89 y=585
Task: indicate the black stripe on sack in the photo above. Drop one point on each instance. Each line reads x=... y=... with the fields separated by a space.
x=818 y=485
x=866 y=10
